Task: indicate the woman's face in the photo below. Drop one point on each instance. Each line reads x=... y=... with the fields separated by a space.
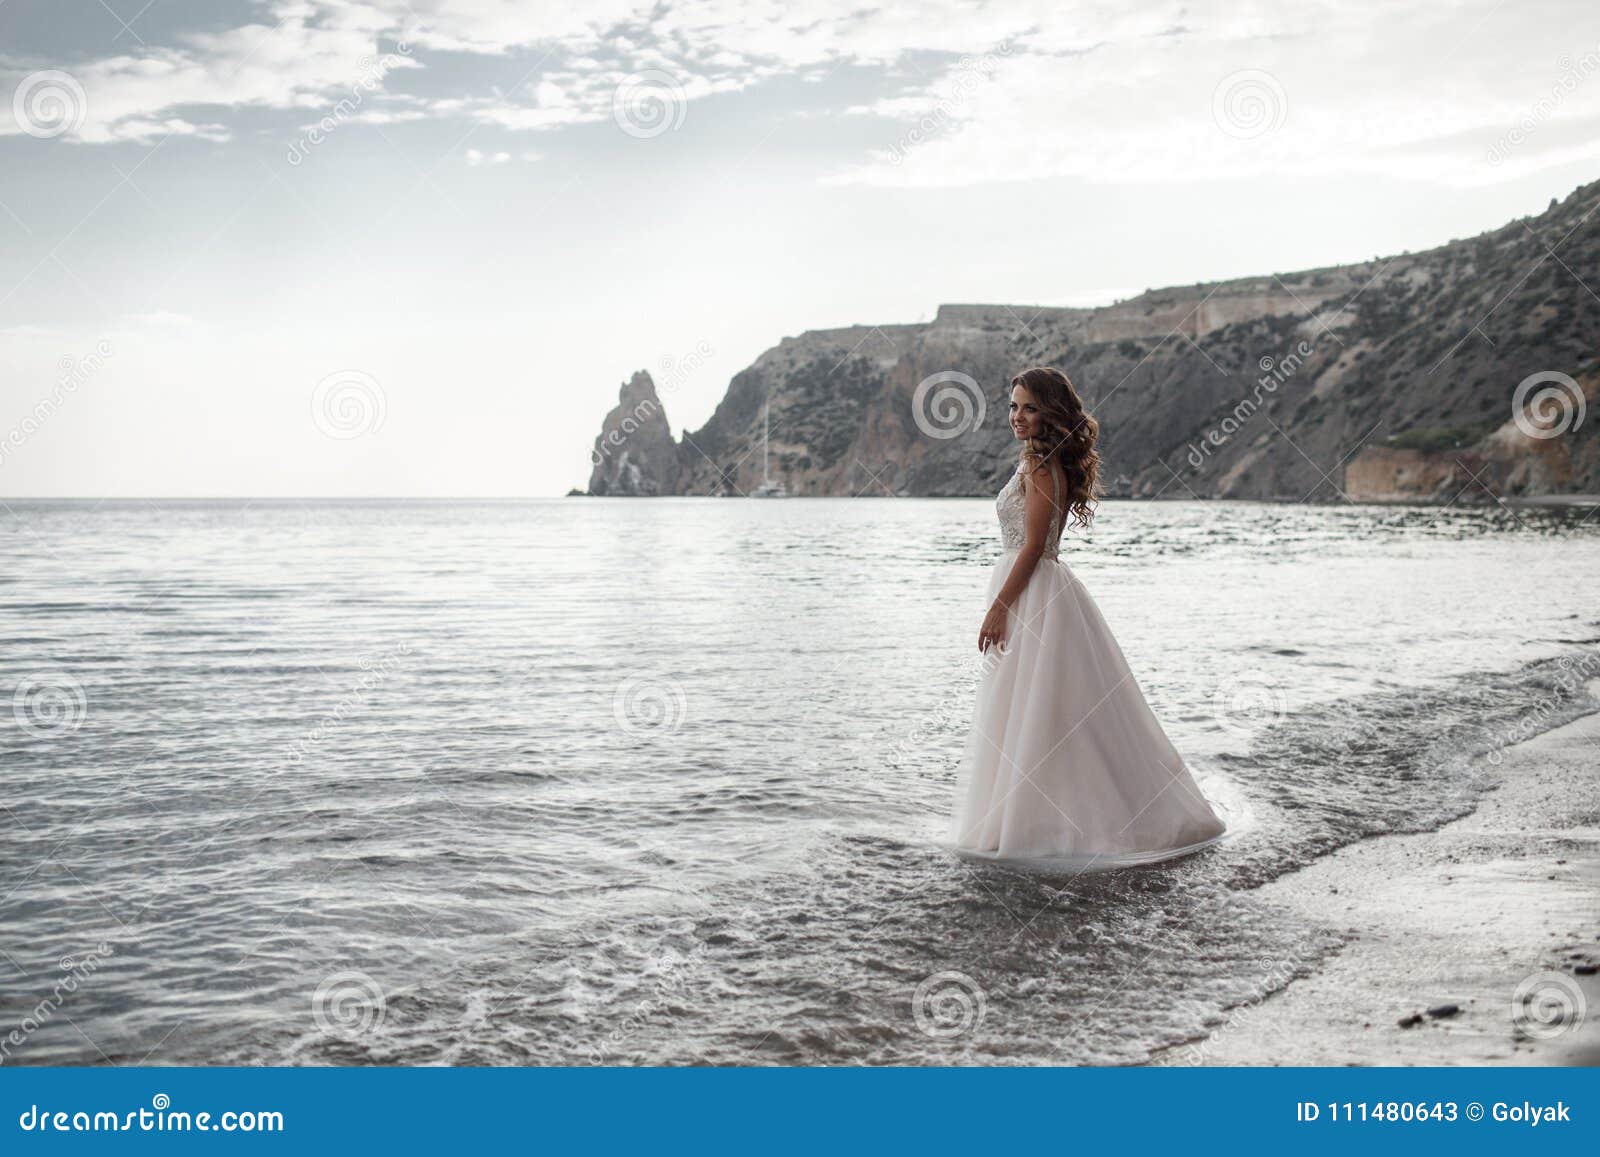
x=1026 y=420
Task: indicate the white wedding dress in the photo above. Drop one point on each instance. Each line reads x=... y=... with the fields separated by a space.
x=1066 y=765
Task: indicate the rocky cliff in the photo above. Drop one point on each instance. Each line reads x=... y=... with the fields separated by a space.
x=635 y=455
x=1468 y=370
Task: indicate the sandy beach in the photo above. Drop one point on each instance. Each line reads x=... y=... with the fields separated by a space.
x=1474 y=944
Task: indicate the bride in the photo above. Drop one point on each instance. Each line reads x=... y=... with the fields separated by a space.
x=1065 y=762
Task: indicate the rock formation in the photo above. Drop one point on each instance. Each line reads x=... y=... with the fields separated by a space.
x=1468 y=370
x=635 y=455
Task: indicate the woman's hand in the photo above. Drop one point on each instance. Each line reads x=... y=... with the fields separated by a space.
x=993 y=630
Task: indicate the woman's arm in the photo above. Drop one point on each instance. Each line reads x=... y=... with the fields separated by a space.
x=1039 y=495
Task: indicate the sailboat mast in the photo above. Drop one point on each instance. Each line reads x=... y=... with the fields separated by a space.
x=766 y=431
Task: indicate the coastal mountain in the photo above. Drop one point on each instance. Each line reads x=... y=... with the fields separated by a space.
x=1464 y=372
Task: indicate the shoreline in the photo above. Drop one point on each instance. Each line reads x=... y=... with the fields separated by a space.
x=1493 y=911
x=1551 y=502
x=1578 y=502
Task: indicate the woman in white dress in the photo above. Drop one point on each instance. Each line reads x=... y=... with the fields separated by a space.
x=1065 y=764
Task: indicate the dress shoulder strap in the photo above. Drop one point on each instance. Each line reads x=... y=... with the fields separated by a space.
x=1058 y=475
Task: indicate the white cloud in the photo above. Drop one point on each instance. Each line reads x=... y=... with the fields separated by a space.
x=1326 y=91
x=304 y=59
x=1015 y=90
x=301 y=53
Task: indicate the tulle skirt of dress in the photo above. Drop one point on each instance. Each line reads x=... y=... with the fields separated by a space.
x=1066 y=765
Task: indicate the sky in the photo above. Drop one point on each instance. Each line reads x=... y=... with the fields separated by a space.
x=335 y=248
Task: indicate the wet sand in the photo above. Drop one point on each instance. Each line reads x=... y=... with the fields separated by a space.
x=1497 y=914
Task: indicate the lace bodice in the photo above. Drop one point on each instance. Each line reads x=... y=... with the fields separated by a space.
x=1011 y=506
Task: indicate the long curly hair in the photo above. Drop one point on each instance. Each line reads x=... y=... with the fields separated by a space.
x=1067 y=439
